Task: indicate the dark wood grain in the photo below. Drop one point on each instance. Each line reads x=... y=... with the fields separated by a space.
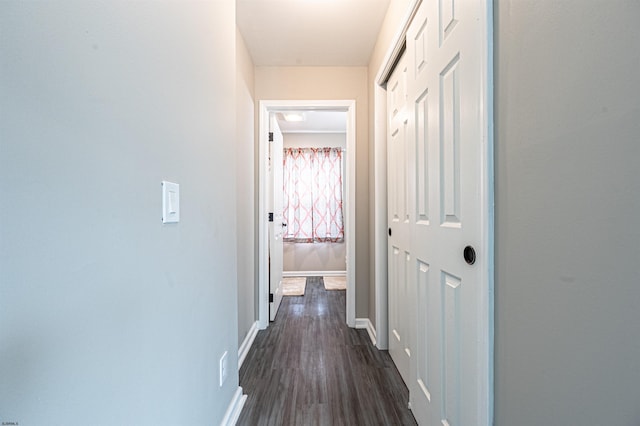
x=309 y=368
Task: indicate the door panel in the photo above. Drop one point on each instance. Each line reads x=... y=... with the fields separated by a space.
x=276 y=233
x=398 y=178
x=422 y=160
x=450 y=342
x=424 y=335
x=450 y=145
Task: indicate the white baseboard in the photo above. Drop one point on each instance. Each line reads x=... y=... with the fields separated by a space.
x=314 y=273
x=366 y=324
x=243 y=350
x=235 y=408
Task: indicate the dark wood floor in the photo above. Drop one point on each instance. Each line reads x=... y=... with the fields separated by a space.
x=309 y=368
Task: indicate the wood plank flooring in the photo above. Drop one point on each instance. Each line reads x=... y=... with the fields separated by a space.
x=309 y=368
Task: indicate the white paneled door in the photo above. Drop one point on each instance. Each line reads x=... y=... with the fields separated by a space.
x=439 y=209
x=276 y=217
x=398 y=215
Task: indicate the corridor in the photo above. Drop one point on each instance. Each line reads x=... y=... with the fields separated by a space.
x=308 y=367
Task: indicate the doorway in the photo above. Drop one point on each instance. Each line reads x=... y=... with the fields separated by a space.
x=267 y=110
x=315 y=146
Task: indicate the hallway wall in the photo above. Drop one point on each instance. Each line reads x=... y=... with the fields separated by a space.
x=107 y=316
x=567 y=291
x=246 y=166
x=332 y=83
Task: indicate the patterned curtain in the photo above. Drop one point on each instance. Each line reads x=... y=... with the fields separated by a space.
x=313 y=195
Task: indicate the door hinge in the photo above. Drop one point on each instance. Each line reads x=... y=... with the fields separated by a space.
x=270 y=217
x=270 y=136
x=270 y=297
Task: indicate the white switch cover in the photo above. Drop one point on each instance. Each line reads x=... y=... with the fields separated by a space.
x=170 y=202
x=224 y=368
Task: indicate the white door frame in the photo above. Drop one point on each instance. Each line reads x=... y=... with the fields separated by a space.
x=485 y=312
x=267 y=106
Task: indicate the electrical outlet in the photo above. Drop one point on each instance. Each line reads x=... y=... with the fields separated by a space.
x=224 y=369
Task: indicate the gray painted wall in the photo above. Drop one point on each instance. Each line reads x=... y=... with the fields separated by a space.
x=567 y=288
x=106 y=315
x=246 y=206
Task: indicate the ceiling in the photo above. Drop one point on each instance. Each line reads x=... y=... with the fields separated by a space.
x=310 y=32
x=315 y=122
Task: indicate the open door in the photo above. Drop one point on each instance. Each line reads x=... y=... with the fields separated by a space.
x=276 y=217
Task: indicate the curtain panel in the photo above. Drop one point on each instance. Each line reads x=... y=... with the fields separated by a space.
x=313 y=195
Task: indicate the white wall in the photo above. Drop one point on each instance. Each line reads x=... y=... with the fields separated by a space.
x=567 y=322
x=332 y=83
x=107 y=316
x=308 y=257
x=315 y=140
x=246 y=205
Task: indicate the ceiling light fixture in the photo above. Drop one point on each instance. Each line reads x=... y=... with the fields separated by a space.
x=294 y=116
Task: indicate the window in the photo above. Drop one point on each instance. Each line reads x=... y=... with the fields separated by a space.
x=313 y=195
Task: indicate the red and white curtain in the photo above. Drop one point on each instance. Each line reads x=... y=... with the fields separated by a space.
x=313 y=195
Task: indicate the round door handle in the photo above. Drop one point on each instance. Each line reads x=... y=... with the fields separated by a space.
x=469 y=255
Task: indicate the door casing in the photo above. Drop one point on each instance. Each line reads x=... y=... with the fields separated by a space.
x=266 y=107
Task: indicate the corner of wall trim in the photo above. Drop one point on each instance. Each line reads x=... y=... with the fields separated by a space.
x=234 y=409
x=368 y=325
x=243 y=350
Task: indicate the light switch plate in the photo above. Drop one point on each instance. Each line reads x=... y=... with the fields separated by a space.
x=170 y=202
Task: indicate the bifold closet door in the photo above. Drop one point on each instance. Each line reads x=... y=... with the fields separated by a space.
x=437 y=149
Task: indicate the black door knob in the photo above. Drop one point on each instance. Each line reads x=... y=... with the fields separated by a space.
x=469 y=254
x=389 y=231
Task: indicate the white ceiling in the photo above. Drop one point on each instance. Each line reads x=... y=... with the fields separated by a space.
x=310 y=32
x=315 y=122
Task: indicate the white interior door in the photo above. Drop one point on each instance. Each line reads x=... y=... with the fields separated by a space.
x=438 y=248
x=398 y=217
x=276 y=218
